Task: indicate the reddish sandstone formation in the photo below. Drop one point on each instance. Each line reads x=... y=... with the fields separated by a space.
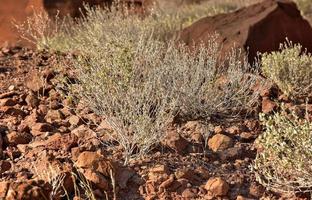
x=19 y=10
x=257 y=28
x=70 y=7
x=14 y=10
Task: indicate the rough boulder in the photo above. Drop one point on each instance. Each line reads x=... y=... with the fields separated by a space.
x=258 y=28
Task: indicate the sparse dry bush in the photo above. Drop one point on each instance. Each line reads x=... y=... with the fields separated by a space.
x=284 y=160
x=121 y=82
x=290 y=69
x=41 y=30
x=141 y=86
x=132 y=72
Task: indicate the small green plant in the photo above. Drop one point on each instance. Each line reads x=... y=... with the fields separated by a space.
x=290 y=69
x=284 y=159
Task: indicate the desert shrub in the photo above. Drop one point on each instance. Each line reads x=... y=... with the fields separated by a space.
x=141 y=86
x=290 y=69
x=131 y=71
x=283 y=162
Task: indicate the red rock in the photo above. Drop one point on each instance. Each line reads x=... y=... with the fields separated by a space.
x=150 y=188
x=28 y=190
x=7 y=102
x=69 y=7
x=240 y=197
x=91 y=118
x=56 y=141
x=176 y=142
x=159 y=172
x=187 y=174
x=97 y=179
x=268 y=105
x=54 y=116
x=13 y=152
x=23 y=128
x=162 y=169
x=40 y=128
x=61 y=141
x=202 y=172
x=21 y=9
x=35 y=82
x=218 y=129
x=247 y=136
x=22 y=148
x=12 y=111
x=97 y=162
x=189 y=193
x=43 y=109
x=123 y=175
x=8 y=94
x=74 y=120
x=217 y=187
x=252 y=125
x=233 y=130
x=14 y=138
x=31 y=119
x=83 y=132
x=197 y=138
x=48 y=74
x=256 y=190
x=75 y=151
x=4 y=166
x=167 y=182
x=194 y=126
x=231 y=154
x=1 y=145
x=4 y=187
x=220 y=142
x=32 y=100
x=258 y=28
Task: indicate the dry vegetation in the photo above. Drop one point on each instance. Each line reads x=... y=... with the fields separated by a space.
x=131 y=71
x=141 y=88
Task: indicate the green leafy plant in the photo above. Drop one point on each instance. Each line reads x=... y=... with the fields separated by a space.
x=283 y=161
x=290 y=69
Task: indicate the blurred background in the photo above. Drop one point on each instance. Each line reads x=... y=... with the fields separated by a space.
x=13 y=12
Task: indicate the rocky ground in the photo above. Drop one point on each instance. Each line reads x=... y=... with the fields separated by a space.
x=54 y=148
x=49 y=145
